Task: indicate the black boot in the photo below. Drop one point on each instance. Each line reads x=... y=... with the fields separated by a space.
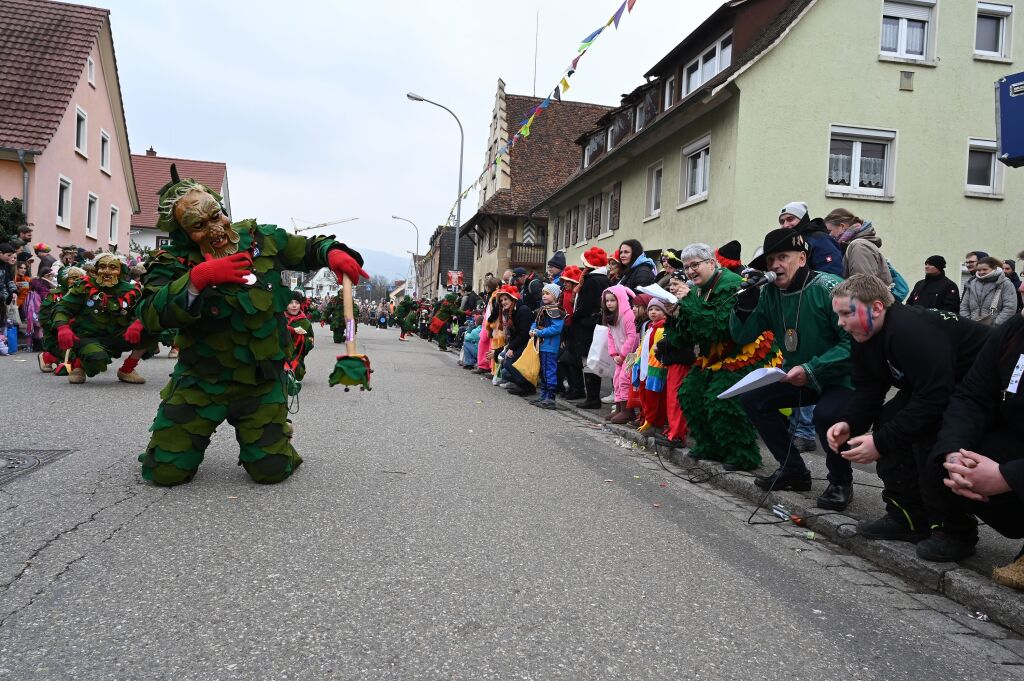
x=945 y=547
x=780 y=481
x=592 y=384
x=892 y=528
x=836 y=497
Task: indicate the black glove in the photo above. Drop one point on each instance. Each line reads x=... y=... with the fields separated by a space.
x=746 y=301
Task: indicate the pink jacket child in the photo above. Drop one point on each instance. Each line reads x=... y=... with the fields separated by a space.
x=622 y=335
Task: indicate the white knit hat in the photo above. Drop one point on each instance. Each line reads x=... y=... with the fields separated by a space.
x=553 y=289
x=797 y=209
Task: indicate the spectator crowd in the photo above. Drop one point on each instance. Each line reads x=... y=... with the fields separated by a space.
x=823 y=343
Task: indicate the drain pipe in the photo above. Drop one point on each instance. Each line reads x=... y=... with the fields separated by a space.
x=24 y=184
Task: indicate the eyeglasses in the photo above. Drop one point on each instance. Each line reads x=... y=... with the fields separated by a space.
x=692 y=267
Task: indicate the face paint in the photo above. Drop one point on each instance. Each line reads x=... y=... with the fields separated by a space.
x=864 y=318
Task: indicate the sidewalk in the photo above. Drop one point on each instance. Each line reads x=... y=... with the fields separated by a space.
x=968 y=582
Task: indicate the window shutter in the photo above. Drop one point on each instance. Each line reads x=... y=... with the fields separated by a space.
x=588 y=220
x=906 y=10
x=576 y=224
x=554 y=233
x=613 y=209
x=598 y=200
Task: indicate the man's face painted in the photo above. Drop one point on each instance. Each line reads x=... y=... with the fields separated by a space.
x=856 y=318
x=108 y=272
x=201 y=217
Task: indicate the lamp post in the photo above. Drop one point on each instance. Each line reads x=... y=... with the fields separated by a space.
x=395 y=217
x=458 y=196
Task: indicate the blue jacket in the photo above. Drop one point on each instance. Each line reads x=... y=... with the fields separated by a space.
x=825 y=254
x=549 y=335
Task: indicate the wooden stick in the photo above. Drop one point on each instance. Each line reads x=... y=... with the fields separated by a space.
x=350 y=317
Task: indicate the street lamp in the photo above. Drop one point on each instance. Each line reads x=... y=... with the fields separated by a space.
x=458 y=196
x=395 y=217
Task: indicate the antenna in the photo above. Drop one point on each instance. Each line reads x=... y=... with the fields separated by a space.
x=536 y=35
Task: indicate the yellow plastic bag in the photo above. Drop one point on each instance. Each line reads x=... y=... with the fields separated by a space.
x=528 y=364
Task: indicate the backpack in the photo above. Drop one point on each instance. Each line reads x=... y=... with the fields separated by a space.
x=900 y=289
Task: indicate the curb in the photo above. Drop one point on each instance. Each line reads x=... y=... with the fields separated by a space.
x=969 y=588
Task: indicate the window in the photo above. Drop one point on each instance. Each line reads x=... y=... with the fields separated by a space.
x=492 y=237
x=696 y=166
x=647 y=110
x=112 y=225
x=669 y=95
x=860 y=161
x=983 y=173
x=906 y=29
x=64 y=203
x=654 y=190
x=81 y=131
x=992 y=31
x=594 y=149
x=713 y=61
x=92 y=216
x=104 y=151
x=620 y=127
x=90 y=71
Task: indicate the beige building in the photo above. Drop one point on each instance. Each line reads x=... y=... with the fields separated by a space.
x=506 y=233
x=885 y=108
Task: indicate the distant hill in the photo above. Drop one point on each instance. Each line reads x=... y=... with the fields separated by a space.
x=387 y=264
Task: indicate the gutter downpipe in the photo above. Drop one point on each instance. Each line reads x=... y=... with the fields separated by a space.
x=24 y=184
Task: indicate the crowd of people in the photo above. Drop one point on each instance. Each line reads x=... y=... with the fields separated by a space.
x=922 y=381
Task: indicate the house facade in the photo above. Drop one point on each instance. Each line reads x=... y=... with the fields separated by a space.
x=152 y=172
x=506 y=233
x=433 y=266
x=766 y=102
x=63 y=136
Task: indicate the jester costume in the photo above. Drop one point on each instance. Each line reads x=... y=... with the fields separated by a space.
x=220 y=285
x=96 y=321
x=444 y=313
x=405 y=314
x=720 y=427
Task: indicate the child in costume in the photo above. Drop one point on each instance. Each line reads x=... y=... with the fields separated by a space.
x=96 y=321
x=548 y=328
x=617 y=315
x=220 y=284
x=634 y=415
x=301 y=330
x=334 y=316
x=652 y=371
x=678 y=361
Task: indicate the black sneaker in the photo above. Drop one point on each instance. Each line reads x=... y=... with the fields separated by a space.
x=804 y=445
x=891 y=528
x=943 y=547
x=780 y=481
x=835 y=497
x=545 y=404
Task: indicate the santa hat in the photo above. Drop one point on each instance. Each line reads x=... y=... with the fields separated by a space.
x=729 y=255
x=510 y=291
x=572 y=273
x=595 y=257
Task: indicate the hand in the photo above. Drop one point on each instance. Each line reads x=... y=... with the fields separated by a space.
x=837 y=435
x=619 y=359
x=748 y=298
x=299 y=332
x=133 y=334
x=796 y=376
x=344 y=265
x=66 y=338
x=978 y=477
x=533 y=332
x=232 y=269
x=862 y=450
x=685 y=292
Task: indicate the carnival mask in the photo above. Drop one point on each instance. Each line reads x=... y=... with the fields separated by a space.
x=200 y=215
x=107 y=273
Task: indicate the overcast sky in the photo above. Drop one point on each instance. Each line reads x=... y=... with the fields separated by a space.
x=305 y=100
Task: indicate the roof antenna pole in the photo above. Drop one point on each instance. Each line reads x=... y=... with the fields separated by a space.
x=536 y=34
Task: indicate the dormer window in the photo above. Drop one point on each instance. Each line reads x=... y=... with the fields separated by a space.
x=647 y=109
x=595 y=147
x=709 y=64
x=620 y=128
x=669 y=94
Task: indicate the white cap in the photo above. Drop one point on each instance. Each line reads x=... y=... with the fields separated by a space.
x=797 y=209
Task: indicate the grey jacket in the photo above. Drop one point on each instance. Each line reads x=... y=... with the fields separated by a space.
x=994 y=296
x=861 y=255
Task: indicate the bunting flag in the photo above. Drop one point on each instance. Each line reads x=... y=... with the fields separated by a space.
x=561 y=88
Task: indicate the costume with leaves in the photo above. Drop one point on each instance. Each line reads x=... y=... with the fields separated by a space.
x=444 y=312
x=301 y=330
x=232 y=335
x=720 y=427
x=52 y=354
x=405 y=313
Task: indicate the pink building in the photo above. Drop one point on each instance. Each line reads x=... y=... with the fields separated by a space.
x=63 y=138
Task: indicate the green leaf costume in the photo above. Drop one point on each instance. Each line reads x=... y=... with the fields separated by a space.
x=446 y=311
x=405 y=313
x=720 y=427
x=233 y=342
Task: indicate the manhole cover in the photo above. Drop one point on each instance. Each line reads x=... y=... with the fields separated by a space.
x=15 y=462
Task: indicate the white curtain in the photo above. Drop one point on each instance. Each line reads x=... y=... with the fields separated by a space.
x=840 y=166
x=915 y=37
x=872 y=172
x=890 y=34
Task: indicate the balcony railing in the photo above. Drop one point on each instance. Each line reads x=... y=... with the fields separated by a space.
x=528 y=255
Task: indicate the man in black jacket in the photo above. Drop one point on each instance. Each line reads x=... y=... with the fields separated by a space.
x=936 y=290
x=586 y=312
x=517 y=335
x=976 y=467
x=924 y=354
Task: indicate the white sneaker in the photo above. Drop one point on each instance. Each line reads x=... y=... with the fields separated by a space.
x=608 y=400
x=504 y=384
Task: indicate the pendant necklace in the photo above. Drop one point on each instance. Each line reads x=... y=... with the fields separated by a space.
x=792 y=339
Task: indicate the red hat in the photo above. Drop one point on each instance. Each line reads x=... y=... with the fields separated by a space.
x=595 y=257
x=510 y=291
x=615 y=256
x=572 y=273
x=642 y=299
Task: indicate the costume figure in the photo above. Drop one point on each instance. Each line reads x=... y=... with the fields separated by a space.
x=334 y=316
x=405 y=313
x=96 y=321
x=220 y=285
x=51 y=355
x=301 y=330
x=444 y=313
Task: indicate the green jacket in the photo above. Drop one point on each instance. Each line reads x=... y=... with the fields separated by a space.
x=97 y=313
x=230 y=333
x=823 y=349
x=704 y=322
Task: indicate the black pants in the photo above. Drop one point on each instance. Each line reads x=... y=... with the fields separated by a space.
x=762 y=407
x=900 y=471
x=1003 y=513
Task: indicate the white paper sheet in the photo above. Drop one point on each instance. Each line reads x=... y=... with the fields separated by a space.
x=758 y=378
x=658 y=292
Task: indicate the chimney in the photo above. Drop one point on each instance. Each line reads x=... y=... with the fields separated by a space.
x=151 y=152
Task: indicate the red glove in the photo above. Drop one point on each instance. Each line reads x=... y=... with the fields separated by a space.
x=343 y=264
x=133 y=334
x=232 y=269
x=322 y=322
x=65 y=337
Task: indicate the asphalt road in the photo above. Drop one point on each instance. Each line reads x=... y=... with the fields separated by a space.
x=438 y=529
